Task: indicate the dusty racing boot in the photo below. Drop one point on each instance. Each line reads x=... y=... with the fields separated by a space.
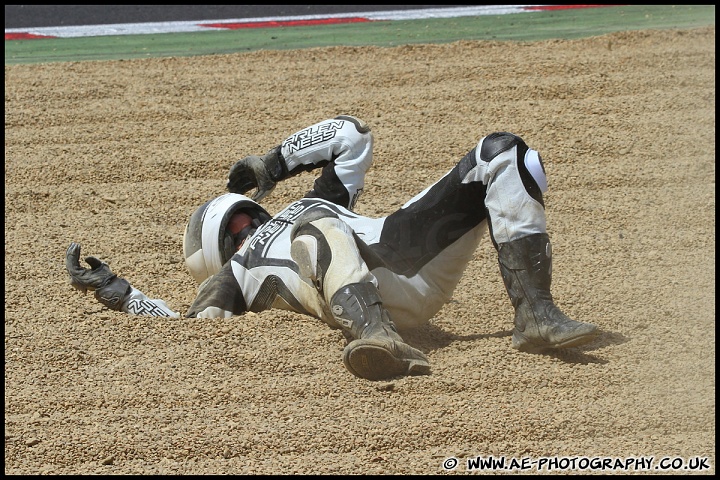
x=526 y=267
x=376 y=352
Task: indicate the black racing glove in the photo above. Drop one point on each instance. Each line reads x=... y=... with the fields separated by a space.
x=262 y=173
x=110 y=290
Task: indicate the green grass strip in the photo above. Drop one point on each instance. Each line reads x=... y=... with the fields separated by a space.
x=562 y=24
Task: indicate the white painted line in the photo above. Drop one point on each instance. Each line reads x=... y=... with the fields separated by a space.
x=195 y=25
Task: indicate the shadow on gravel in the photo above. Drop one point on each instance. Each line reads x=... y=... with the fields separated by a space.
x=580 y=354
x=430 y=337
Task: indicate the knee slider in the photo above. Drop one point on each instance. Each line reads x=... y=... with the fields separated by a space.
x=310 y=216
x=533 y=164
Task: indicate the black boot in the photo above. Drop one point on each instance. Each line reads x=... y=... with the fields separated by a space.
x=377 y=351
x=526 y=267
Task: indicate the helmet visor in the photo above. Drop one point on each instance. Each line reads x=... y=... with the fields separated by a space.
x=239 y=227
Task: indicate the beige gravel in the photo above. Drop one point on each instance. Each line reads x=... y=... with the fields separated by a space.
x=117 y=154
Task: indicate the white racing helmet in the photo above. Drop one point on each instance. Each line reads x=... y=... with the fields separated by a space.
x=208 y=242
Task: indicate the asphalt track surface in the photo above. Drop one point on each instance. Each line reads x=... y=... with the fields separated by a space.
x=26 y=16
